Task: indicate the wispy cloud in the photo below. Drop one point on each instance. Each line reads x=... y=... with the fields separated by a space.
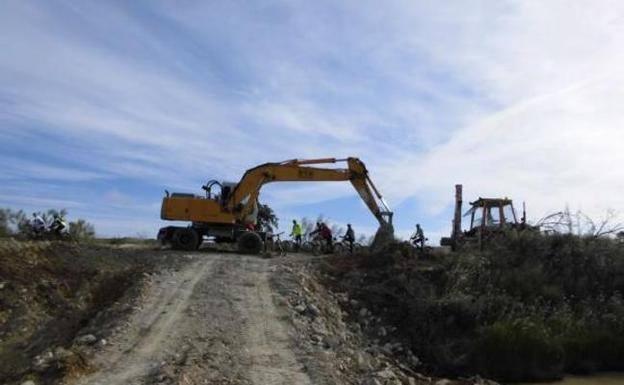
x=123 y=100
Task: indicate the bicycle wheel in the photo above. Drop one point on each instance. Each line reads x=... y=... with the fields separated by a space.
x=279 y=248
x=307 y=247
x=340 y=248
x=287 y=246
x=317 y=248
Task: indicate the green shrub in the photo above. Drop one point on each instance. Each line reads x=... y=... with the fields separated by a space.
x=81 y=230
x=528 y=307
x=522 y=349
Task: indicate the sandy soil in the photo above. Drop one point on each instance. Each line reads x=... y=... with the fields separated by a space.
x=212 y=320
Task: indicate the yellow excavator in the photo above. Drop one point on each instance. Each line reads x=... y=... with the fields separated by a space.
x=228 y=211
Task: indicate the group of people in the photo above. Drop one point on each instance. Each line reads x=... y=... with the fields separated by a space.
x=324 y=232
x=38 y=225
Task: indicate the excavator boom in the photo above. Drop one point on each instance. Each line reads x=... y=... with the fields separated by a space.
x=244 y=196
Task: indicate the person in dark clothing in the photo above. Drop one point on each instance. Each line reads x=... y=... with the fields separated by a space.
x=349 y=237
x=418 y=239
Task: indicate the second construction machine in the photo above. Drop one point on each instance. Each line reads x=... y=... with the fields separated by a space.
x=228 y=211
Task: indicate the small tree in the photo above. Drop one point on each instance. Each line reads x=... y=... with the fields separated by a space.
x=267 y=220
x=579 y=223
x=81 y=230
x=307 y=226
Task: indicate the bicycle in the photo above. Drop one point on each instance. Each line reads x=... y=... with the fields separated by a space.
x=342 y=247
x=277 y=244
x=418 y=250
x=317 y=245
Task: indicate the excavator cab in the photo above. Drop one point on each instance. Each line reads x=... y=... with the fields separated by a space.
x=222 y=195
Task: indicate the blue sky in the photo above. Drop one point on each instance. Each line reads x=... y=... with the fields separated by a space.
x=103 y=105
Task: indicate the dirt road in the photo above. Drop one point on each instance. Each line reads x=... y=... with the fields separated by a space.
x=211 y=321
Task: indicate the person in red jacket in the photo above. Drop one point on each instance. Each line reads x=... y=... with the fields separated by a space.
x=326 y=233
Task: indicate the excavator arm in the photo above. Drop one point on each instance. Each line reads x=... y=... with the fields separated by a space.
x=244 y=198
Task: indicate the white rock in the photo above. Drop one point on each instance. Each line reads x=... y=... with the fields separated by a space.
x=86 y=339
x=314 y=310
x=61 y=353
x=43 y=361
x=29 y=382
x=363 y=362
x=387 y=373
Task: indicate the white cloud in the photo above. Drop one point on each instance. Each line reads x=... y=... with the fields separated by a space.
x=518 y=98
x=555 y=69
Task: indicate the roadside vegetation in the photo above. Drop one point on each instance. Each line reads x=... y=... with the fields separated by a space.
x=17 y=224
x=529 y=307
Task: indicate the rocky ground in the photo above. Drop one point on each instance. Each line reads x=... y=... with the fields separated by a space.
x=340 y=336
x=142 y=316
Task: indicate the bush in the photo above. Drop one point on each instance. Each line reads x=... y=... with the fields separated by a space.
x=528 y=307
x=518 y=350
x=81 y=230
x=18 y=224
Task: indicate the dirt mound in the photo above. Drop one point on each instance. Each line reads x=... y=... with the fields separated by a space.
x=49 y=292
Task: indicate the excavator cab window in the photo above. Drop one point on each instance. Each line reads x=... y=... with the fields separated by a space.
x=225 y=193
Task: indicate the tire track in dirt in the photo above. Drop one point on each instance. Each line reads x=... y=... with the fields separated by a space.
x=268 y=345
x=143 y=345
x=212 y=322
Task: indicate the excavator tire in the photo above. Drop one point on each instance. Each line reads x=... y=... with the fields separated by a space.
x=185 y=239
x=249 y=243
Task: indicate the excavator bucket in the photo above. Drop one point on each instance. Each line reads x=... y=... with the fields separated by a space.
x=383 y=236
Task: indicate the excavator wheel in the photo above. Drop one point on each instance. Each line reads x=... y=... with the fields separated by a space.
x=185 y=239
x=249 y=243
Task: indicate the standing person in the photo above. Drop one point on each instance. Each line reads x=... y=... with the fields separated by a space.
x=349 y=237
x=296 y=234
x=418 y=239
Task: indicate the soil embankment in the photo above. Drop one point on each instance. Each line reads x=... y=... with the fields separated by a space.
x=50 y=294
x=126 y=315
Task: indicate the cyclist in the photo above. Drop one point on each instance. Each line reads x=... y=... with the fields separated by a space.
x=418 y=239
x=58 y=225
x=325 y=233
x=349 y=237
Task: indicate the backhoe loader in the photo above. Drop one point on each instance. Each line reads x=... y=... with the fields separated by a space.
x=228 y=211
